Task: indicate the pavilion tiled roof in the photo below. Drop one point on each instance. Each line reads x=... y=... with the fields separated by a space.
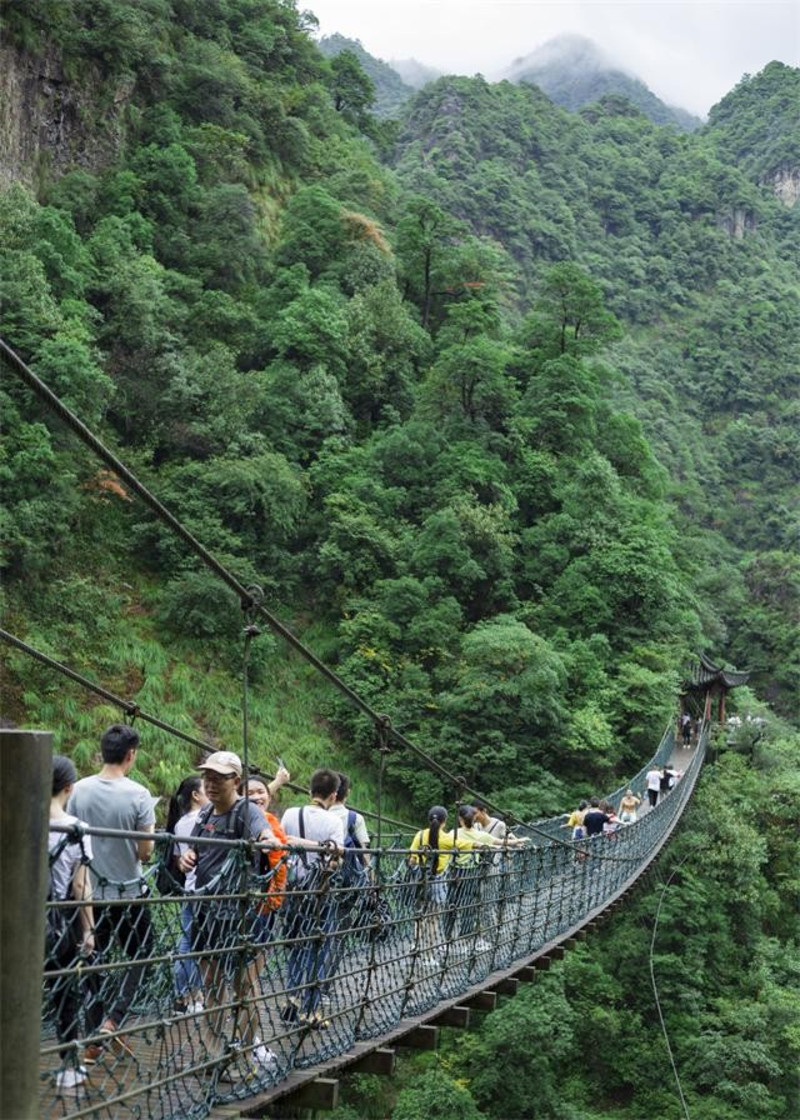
x=705 y=673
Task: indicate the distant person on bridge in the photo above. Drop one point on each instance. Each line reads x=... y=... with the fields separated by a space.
x=69 y=933
x=110 y=799
x=311 y=911
x=182 y=813
x=653 y=781
x=356 y=838
x=686 y=730
x=595 y=820
x=574 y=821
x=628 y=807
x=466 y=875
x=491 y=825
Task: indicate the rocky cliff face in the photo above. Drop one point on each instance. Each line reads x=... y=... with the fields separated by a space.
x=786 y=184
x=49 y=124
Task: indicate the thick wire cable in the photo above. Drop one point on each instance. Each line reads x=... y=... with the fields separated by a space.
x=245 y=594
x=132 y=709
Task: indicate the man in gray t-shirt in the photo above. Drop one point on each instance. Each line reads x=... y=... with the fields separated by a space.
x=115 y=802
x=111 y=800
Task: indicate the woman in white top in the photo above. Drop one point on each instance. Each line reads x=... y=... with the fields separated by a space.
x=69 y=933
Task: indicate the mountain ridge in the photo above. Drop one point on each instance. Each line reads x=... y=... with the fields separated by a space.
x=574 y=72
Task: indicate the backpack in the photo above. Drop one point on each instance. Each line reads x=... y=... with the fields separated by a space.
x=353 y=869
x=60 y=925
x=168 y=878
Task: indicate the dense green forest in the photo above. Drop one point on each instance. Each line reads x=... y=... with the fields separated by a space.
x=498 y=405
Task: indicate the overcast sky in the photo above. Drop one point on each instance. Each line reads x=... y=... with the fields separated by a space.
x=690 y=52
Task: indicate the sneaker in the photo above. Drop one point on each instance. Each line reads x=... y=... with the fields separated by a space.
x=118 y=1042
x=290 y=1012
x=71 y=1078
x=315 y=1021
x=93 y=1053
x=195 y=1006
x=264 y=1059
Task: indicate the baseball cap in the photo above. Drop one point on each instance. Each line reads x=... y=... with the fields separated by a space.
x=223 y=762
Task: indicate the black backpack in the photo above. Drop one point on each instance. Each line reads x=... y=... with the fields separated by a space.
x=353 y=870
x=169 y=880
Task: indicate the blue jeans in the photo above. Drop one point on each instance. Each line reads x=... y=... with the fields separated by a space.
x=187 y=972
x=309 y=961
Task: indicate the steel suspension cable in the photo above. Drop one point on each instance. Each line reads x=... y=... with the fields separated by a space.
x=131 y=708
x=111 y=460
x=245 y=595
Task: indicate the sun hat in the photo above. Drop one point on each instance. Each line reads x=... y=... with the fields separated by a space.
x=222 y=762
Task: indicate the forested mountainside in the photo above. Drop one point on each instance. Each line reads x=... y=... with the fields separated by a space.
x=698 y=258
x=502 y=418
x=573 y=73
x=521 y=407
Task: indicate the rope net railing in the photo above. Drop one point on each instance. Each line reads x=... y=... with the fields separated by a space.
x=221 y=993
x=555 y=825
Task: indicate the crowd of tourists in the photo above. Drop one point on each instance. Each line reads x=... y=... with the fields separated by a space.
x=597 y=817
x=291 y=858
x=451 y=875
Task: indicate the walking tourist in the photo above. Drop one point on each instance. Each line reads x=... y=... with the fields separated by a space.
x=219 y=924
x=110 y=799
x=69 y=934
x=310 y=912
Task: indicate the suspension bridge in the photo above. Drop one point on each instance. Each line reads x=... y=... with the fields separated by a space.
x=396 y=966
x=387 y=963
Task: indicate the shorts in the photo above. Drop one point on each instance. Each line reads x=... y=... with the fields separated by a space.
x=225 y=935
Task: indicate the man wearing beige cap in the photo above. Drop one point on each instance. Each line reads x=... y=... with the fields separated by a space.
x=220 y=926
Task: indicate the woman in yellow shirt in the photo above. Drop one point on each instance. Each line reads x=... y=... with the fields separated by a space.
x=466 y=877
x=433 y=839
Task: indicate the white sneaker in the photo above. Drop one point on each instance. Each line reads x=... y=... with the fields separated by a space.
x=195 y=1006
x=70 y=1078
x=263 y=1057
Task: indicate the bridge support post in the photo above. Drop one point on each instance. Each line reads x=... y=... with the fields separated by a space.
x=380 y=1061
x=422 y=1037
x=26 y=778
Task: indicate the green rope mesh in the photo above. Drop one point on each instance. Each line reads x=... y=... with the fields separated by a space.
x=266 y=989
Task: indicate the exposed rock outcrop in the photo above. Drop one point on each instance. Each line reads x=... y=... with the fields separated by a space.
x=50 y=124
x=786 y=184
x=737 y=221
